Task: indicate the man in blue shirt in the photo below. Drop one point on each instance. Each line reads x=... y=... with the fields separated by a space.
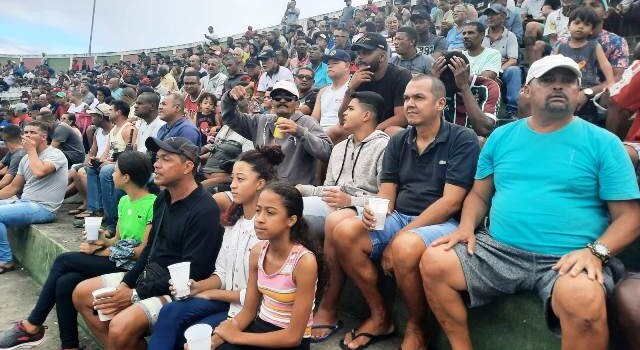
x=454 y=36
x=171 y=111
x=563 y=199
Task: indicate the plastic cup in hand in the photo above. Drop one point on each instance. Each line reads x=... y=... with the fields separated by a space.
x=379 y=206
x=180 y=278
x=92 y=227
x=199 y=337
x=277 y=133
x=96 y=295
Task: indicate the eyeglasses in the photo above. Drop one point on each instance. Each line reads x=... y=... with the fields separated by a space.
x=286 y=98
x=304 y=77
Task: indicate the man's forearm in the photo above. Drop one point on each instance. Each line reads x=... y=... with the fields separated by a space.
x=474 y=210
x=396 y=120
x=624 y=228
x=437 y=213
x=480 y=122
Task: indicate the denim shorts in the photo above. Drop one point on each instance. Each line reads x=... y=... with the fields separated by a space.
x=396 y=221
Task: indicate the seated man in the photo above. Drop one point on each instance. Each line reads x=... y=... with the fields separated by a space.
x=551 y=232
x=498 y=37
x=12 y=136
x=472 y=100
x=42 y=179
x=426 y=173
x=301 y=138
x=185 y=227
x=65 y=139
x=330 y=97
x=355 y=163
x=483 y=61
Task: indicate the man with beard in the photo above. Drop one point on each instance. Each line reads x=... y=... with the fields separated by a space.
x=483 y=61
x=472 y=100
x=320 y=74
x=302 y=140
x=532 y=243
x=427 y=43
x=273 y=72
x=376 y=74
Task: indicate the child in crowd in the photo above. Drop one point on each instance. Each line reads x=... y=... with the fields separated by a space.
x=104 y=256
x=283 y=272
x=591 y=59
x=206 y=120
x=222 y=295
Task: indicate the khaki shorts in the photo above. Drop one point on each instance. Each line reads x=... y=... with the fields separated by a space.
x=150 y=306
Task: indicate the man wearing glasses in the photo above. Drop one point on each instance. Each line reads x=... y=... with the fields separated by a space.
x=302 y=139
x=273 y=72
x=304 y=82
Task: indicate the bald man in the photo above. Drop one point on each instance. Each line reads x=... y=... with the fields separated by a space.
x=116 y=90
x=195 y=63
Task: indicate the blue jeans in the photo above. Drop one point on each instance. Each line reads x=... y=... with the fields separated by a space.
x=512 y=78
x=102 y=194
x=15 y=213
x=177 y=316
x=396 y=221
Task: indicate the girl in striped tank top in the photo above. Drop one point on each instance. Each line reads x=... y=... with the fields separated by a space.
x=278 y=306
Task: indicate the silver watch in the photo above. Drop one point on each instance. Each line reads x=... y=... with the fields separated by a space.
x=600 y=250
x=134 y=297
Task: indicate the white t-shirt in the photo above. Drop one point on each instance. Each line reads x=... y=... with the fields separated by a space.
x=330 y=101
x=147 y=130
x=557 y=23
x=490 y=59
x=533 y=8
x=266 y=81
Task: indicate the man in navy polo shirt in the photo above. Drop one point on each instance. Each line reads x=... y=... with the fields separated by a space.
x=427 y=171
x=171 y=111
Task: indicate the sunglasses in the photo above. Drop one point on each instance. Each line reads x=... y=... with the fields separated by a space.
x=304 y=77
x=286 y=98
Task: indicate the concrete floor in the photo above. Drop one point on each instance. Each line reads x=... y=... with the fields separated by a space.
x=19 y=293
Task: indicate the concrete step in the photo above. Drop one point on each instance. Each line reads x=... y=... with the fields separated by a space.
x=514 y=322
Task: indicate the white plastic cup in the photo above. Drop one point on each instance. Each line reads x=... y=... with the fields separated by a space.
x=96 y=295
x=180 y=278
x=199 y=336
x=380 y=207
x=92 y=227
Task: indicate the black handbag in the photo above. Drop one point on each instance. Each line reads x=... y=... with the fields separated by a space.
x=154 y=279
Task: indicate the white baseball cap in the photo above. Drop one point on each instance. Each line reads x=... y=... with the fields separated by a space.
x=286 y=86
x=547 y=63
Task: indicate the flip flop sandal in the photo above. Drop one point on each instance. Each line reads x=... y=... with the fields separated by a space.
x=333 y=328
x=84 y=214
x=76 y=211
x=372 y=339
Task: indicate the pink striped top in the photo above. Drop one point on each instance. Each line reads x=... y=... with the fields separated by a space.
x=279 y=290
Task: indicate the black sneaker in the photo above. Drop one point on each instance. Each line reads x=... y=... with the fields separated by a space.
x=17 y=337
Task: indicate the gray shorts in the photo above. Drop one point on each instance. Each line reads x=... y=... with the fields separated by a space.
x=496 y=269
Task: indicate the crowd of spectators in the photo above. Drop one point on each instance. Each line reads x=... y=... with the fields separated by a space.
x=503 y=134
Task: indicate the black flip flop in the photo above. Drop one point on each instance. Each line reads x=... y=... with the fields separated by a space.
x=372 y=339
x=333 y=328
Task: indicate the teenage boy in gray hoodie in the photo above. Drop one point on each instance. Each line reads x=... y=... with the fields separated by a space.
x=302 y=139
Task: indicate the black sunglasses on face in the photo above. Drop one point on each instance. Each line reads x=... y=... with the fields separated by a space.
x=286 y=98
x=304 y=77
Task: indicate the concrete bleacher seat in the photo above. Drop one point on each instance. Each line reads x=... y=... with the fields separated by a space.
x=514 y=322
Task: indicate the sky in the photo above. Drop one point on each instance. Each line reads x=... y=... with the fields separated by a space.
x=56 y=27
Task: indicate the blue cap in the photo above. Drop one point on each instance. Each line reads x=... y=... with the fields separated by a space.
x=338 y=54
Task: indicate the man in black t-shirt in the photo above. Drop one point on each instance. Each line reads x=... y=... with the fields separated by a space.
x=185 y=227
x=376 y=74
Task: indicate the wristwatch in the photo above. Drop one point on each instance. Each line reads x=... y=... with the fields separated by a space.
x=588 y=92
x=134 y=297
x=600 y=250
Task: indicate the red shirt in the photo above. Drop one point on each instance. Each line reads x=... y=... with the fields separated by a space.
x=190 y=107
x=625 y=94
x=487 y=94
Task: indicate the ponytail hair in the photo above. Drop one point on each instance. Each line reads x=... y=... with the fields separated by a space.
x=264 y=161
x=300 y=233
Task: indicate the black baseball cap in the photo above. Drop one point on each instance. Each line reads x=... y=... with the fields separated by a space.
x=177 y=145
x=419 y=13
x=370 y=41
x=264 y=54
